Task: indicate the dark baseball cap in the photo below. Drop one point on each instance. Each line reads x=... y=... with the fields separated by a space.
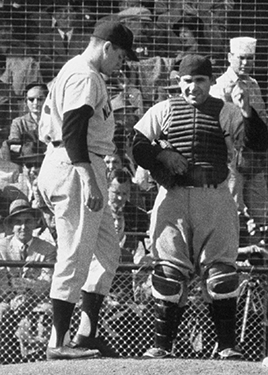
x=195 y=65
x=118 y=34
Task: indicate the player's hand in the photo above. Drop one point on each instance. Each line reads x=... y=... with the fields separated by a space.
x=174 y=161
x=92 y=195
x=240 y=97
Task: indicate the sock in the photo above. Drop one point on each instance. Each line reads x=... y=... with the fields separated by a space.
x=62 y=314
x=91 y=304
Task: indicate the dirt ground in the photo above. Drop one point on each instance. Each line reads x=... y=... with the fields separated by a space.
x=132 y=366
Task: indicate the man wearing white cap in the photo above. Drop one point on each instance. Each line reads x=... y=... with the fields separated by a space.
x=247 y=181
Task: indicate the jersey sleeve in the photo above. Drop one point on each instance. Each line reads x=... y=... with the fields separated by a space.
x=81 y=97
x=148 y=130
x=154 y=121
x=82 y=90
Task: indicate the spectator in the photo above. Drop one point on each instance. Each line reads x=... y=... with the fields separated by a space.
x=120 y=81
x=134 y=218
x=190 y=32
x=247 y=180
x=120 y=160
x=22 y=288
x=140 y=22
x=213 y=13
x=23 y=146
x=63 y=41
x=125 y=115
x=194 y=223
x=26 y=127
x=20 y=223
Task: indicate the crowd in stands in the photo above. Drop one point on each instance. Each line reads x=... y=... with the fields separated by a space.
x=35 y=41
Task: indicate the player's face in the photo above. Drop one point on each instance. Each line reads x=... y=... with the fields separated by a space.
x=114 y=59
x=195 y=89
x=241 y=64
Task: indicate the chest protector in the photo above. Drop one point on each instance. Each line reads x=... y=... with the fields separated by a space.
x=196 y=133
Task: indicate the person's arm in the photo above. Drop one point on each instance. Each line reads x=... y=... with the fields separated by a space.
x=74 y=133
x=256 y=132
x=15 y=129
x=74 y=136
x=149 y=156
x=144 y=152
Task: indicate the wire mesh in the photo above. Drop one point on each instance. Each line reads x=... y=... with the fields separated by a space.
x=30 y=51
x=127 y=320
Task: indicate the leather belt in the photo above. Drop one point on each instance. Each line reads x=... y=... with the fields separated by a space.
x=200 y=177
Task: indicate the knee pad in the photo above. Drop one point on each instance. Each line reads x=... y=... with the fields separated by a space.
x=167 y=282
x=222 y=282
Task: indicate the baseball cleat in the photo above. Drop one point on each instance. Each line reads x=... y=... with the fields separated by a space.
x=98 y=343
x=66 y=352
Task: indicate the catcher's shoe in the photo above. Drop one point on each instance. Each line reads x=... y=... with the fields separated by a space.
x=98 y=343
x=157 y=353
x=230 y=354
x=67 y=352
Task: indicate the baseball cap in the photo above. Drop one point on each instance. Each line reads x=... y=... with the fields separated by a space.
x=118 y=34
x=195 y=65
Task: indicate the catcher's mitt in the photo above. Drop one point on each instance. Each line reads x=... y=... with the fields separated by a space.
x=160 y=173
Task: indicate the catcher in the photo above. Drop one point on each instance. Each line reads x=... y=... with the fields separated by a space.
x=194 y=223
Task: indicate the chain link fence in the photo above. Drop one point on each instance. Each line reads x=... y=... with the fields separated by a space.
x=127 y=321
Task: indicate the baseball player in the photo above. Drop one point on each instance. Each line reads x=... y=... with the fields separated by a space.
x=184 y=142
x=77 y=124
